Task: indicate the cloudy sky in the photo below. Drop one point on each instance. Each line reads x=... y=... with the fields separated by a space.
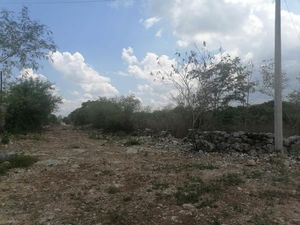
x=109 y=48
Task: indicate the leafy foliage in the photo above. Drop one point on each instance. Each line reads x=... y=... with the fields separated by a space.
x=207 y=80
x=254 y=118
x=17 y=161
x=222 y=81
x=30 y=103
x=109 y=114
x=23 y=41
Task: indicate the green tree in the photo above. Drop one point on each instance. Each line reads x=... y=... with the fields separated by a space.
x=23 y=41
x=30 y=103
x=109 y=114
x=223 y=81
x=207 y=80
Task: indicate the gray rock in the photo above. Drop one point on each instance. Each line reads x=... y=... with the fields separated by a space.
x=49 y=162
x=291 y=140
x=251 y=162
x=5 y=164
x=79 y=150
x=270 y=148
x=238 y=134
x=131 y=150
x=174 y=219
x=270 y=135
x=294 y=149
x=7 y=156
x=236 y=146
x=249 y=143
x=188 y=207
x=252 y=152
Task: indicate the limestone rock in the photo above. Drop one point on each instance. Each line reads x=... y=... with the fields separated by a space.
x=188 y=207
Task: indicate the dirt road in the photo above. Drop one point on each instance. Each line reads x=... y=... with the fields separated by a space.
x=84 y=181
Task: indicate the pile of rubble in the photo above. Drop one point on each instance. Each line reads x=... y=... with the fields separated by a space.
x=164 y=140
x=244 y=142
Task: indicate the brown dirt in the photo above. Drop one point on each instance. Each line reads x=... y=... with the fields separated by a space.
x=82 y=181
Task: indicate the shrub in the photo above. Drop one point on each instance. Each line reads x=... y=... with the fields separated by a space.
x=109 y=114
x=5 y=138
x=132 y=141
x=30 y=103
x=16 y=161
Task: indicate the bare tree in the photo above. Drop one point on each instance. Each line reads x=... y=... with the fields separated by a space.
x=267 y=73
x=294 y=97
x=206 y=81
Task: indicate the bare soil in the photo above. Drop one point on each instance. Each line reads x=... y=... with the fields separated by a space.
x=84 y=181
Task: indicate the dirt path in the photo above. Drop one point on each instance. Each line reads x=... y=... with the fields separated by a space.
x=82 y=181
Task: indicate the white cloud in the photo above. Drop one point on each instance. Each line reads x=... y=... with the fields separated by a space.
x=29 y=73
x=128 y=56
x=91 y=84
x=149 y=65
x=155 y=91
x=159 y=33
x=150 y=22
x=245 y=25
x=74 y=68
x=156 y=96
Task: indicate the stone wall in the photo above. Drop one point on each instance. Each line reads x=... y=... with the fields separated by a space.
x=244 y=142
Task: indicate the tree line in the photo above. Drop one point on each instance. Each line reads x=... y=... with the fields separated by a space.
x=213 y=90
x=213 y=93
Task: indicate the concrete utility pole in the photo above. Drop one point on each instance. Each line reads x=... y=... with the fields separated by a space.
x=278 y=81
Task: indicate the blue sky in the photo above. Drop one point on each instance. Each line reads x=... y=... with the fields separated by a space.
x=109 y=48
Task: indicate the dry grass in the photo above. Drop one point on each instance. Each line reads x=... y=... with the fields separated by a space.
x=105 y=185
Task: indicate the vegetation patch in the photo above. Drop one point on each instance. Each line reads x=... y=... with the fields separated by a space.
x=231 y=179
x=16 y=161
x=5 y=138
x=113 y=190
x=254 y=174
x=262 y=219
x=201 y=166
x=193 y=166
x=159 y=185
x=95 y=135
x=127 y=198
x=107 y=172
x=281 y=178
x=117 y=217
x=196 y=191
x=192 y=191
x=132 y=141
x=272 y=195
x=74 y=145
x=278 y=164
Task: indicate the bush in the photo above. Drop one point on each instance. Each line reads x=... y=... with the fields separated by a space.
x=109 y=114
x=30 y=103
x=16 y=161
x=132 y=141
x=5 y=138
x=112 y=115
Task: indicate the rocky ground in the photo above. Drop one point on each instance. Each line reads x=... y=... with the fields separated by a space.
x=83 y=179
